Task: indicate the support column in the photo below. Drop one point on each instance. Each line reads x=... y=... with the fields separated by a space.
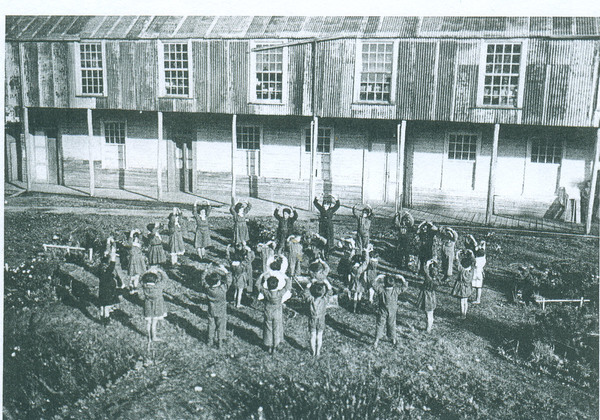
x=314 y=135
x=492 y=180
x=400 y=143
x=233 y=143
x=28 y=148
x=159 y=142
x=592 y=197
x=90 y=154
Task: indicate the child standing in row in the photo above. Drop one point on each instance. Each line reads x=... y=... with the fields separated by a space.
x=266 y=251
x=449 y=238
x=426 y=232
x=404 y=224
x=108 y=296
x=239 y=210
x=316 y=295
x=285 y=228
x=273 y=296
x=462 y=286
x=216 y=283
x=357 y=278
x=295 y=255
x=202 y=236
x=326 y=229
x=156 y=253
x=137 y=261
x=363 y=229
x=176 y=245
x=153 y=282
x=478 y=250
x=427 y=300
x=387 y=305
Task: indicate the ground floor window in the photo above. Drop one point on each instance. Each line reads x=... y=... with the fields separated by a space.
x=458 y=167
x=248 y=137
x=546 y=150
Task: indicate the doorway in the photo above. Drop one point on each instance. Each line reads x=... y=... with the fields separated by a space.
x=380 y=180
x=46 y=159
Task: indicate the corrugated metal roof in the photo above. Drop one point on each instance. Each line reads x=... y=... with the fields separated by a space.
x=152 y=27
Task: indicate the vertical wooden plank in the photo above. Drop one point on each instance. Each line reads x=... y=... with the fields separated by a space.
x=159 y=143
x=30 y=82
x=45 y=74
x=114 y=68
x=127 y=65
x=313 y=153
x=28 y=148
x=90 y=128
x=492 y=180
x=592 y=197
x=60 y=74
x=233 y=144
x=401 y=143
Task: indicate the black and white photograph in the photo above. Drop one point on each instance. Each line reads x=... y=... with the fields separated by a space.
x=301 y=216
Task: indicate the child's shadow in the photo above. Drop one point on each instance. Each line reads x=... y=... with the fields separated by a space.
x=189 y=328
x=125 y=320
x=346 y=330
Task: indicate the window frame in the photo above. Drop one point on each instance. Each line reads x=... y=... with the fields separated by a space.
x=252 y=80
x=114 y=121
x=358 y=70
x=260 y=139
x=482 y=73
x=530 y=141
x=110 y=146
x=78 y=69
x=161 y=70
x=331 y=140
x=475 y=162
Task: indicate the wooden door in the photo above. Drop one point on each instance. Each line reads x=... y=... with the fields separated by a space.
x=376 y=179
x=183 y=165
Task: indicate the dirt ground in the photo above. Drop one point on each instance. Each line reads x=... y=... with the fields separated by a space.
x=453 y=372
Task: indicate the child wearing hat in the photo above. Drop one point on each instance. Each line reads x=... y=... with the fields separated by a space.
x=404 y=226
x=449 y=238
x=239 y=210
x=462 y=287
x=285 y=228
x=156 y=252
x=363 y=229
x=387 y=287
x=274 y=291
x=154 y=306
x=326 y=228
x=426 y=300
x=216 y=282
x=202 y=236
x=316 y=296
x=176 y=245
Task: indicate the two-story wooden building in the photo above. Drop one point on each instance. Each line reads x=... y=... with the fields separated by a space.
x=491 y=114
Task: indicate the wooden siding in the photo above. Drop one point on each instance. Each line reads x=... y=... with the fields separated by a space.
x=437 y=80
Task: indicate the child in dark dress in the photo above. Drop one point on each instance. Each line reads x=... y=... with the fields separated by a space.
x=137 y=260
x=154 y=306
x=427 y=300
x=202 y=235
x=363 y=229
x=239 y=211
x=462 y=286
x=156 y=252
x=285 y=228
x=387 y=304
x=316 y=295
x=404 y=225
x=216 y=282
x=108 y=296
x=426 y=232
x=326 y=229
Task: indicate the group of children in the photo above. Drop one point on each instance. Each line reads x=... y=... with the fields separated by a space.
x=284 y=258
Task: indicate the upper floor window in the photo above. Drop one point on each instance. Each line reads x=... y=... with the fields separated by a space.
x=248 y=137
x=176 y=69
x=268 y=68
x=546 y=150
x=323 y=140
x=114 y=132
x=375 y=71
x=91 y=65
x=462 y=146
x=501 y=74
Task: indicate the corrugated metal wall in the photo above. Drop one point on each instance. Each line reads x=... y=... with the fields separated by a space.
x=436 y=80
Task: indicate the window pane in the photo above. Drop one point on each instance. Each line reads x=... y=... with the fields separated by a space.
x=91 y=68
x=376 y=74
x=501 y=79
x=176 y=66
x=546 y=151
x=269 y=67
